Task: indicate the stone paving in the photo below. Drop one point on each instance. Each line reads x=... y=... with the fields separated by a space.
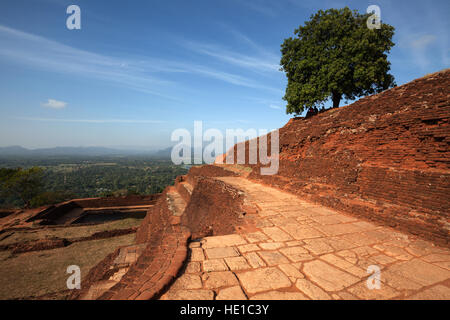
x=300 y=250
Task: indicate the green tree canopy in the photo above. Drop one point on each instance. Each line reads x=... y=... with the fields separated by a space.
x=335 y=55
x=23 y=183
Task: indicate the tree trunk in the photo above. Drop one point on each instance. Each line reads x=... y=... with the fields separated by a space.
x=336 y=99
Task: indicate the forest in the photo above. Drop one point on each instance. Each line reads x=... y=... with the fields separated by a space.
x=62 y=178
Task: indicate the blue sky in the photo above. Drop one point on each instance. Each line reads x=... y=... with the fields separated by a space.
x=137 y=70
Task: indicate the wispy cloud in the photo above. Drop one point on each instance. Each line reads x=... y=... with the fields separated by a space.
x=143 y=74
x=50 y=55
x=246 y=40
x=272 y=103
x=256 y=58
x=117 y=121
x=251 y=62
x=54 y=104
x=232 y=121
x=207 y=72
x=270 y=9
x=418 y=46
x=422 y=41
x=234 y=79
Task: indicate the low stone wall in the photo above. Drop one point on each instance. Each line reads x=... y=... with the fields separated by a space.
x=54 y=212
x=51 y=213
x=207 y=171
x=155 y=269
x=132 y=200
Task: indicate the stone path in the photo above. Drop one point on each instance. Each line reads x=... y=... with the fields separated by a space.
x=299 y=250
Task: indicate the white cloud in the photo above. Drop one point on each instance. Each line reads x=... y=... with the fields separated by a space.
x=273 y=106
x=54 y=104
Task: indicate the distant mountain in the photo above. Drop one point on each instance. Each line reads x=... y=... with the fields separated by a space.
x=167 y=153
x=18 y=151
x=163 y=153
x=68 y=151
x=14 y=150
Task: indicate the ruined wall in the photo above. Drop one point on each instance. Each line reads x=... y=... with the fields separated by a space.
x=207 y=171
x=155 y=222
x=215 y=208
x=163 y=257
x=131 y=200
x=385 y=157
x=53 y=212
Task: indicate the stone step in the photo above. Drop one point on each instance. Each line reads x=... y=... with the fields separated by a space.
x=176 y=203
x=128 y=255
x=98 y=288
x=185 y=189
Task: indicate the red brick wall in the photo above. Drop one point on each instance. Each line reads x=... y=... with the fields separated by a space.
x=385 y=157
x=156 y=220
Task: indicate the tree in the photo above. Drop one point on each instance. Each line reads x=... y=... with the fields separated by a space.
x=25 y=184
x=335 y=55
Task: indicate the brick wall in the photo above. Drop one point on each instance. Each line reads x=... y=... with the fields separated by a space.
x=385 y=157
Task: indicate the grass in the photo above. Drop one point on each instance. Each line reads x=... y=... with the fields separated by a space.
x=43 y=272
